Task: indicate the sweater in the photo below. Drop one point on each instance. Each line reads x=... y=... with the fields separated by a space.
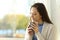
x=48 y=33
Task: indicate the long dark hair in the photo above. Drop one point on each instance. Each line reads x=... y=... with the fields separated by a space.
x=42 y=11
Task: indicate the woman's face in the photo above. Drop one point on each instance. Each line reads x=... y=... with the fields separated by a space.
x=34 y=14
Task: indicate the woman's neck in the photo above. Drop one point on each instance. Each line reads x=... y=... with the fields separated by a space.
x=40 y=22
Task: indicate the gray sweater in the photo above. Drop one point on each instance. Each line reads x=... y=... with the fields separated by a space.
x=48 y=33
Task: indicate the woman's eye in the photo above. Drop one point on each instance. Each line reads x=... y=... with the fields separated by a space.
x=34 y=14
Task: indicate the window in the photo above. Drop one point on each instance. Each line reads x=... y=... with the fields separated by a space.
x=14 y=17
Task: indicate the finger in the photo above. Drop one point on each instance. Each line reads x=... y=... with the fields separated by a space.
x=34 y=24
x=34 y=27
x=29 y=28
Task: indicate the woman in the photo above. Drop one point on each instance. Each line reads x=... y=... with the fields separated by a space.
x=41 y=28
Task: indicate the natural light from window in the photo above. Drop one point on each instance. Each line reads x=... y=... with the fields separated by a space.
x=13 y=7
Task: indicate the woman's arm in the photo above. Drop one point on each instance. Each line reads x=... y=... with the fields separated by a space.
x=27 y=36
x=39 y=36
x=53 y=34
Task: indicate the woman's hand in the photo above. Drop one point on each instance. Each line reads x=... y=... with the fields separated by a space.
x=33 y=28
x=30 y=31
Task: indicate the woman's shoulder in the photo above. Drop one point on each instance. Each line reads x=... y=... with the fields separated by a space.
x=49 y=25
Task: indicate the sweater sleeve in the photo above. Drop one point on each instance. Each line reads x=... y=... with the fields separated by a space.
x=53 y=34
x=27 y=36
x=39 y=36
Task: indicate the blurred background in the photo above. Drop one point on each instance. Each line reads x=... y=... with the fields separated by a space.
x=14 y=17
